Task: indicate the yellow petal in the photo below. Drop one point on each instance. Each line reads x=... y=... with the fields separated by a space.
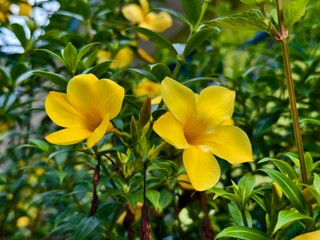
x=61 y=112
x=180 y=100
x=202 y=168
x=68 y=136
x=25 y=9
x=103 y=56
x=133 y=13
x=215 y=104
x=145 y=6
x=159 y=22
x=308 y=236
x=81 y=94
x=230 y=143
x=98 y=133
x=170 y=130
x=184 y=182
x=122 y=59
x=108 y=97
x=145 y=56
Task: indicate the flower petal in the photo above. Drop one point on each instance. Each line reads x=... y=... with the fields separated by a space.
x=159 y=22
x=202 y=168
x=61 y=112
x=180 y=100
x=133 y=13
x=170 y=130
x=68 y=136
x=315 y=235
x=230 y=143
x=80 y=93
x=108 y=97
x=215 y=104
x=145 y=6
x=99 y=132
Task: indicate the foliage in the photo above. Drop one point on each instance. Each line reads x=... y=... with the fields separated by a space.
x=132 y=183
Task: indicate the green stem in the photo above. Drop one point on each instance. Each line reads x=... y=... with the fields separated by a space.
x=291 y=92
x=203 y=10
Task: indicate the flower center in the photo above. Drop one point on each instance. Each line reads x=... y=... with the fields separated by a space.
x=197 y=132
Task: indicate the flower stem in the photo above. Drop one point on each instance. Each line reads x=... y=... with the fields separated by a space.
x=291 y=92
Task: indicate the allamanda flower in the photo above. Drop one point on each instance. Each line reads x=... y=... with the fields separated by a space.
x=157 y=22
x=85 y=110
x=122 y=58
x=197 y=124
x=308 y=236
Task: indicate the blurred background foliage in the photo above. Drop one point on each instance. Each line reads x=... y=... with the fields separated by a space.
x=46 y=190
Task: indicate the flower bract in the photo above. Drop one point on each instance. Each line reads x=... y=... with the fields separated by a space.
x=198 y=124
x=85 y=110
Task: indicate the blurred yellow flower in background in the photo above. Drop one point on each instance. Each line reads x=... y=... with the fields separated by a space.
x=148 y=88
x=4 y=11
x=194 y=123
x=85 y=110
x=141 y=15
x=25 y=8
x=121 y=59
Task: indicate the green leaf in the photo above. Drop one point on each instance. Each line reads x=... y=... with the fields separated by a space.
x=84 y=50
x=283 y=166
x=246 y=185
x=53 y=77
x=285 y=218
x=100 y=69
x=255 y=2
x=166 y=198
x=237 y=215
x=70 y=56
x=223 y=193
x=310 y=120
x=86 y=227
x=196 y=40
x=156 y=38
x=240 y=232
x=265 y=123
x=18 y=30
x=291 y=191
x=192 y=9
x=160 y=71
x=140 y=71
x=52 y=54
x=293 y=11
x=249 y=20
x=154 y=196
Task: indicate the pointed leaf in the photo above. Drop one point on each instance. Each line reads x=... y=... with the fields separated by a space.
x=293 y=11
x=192 y=9
x=100 y=69
x=70 y=57
x=197 y=39
x=53 y=77
x=291 y=191
x=86 y=227
x=155 y=38
x=52 y=54
x=285 y=218
x=240 y=232
x=283 y=166
x=84 y=50
x=18 y=30
x=154 y=196
x=249 y=20
x=160 y=70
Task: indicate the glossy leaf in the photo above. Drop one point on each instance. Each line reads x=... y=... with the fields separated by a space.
x=18 y=30
x=53 y=77
x=155 y=38
x=192 y=9
x=70 y=56
x=196 y=40
x=160 y=70
x=100 y=68
x=241 y=232
x=283 y=166
x=154 y=197
x=285 y=218
x=291 y=191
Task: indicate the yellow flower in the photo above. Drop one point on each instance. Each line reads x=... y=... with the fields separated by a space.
x=140 y=15
x=148 y=88
x=184 y=182
x=25 y=9
x=308 y=236
x=4 y=11
x=194 y=123
x=121 y=60
x=85 y=110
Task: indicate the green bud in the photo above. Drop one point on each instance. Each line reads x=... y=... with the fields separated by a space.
x=145 y=112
